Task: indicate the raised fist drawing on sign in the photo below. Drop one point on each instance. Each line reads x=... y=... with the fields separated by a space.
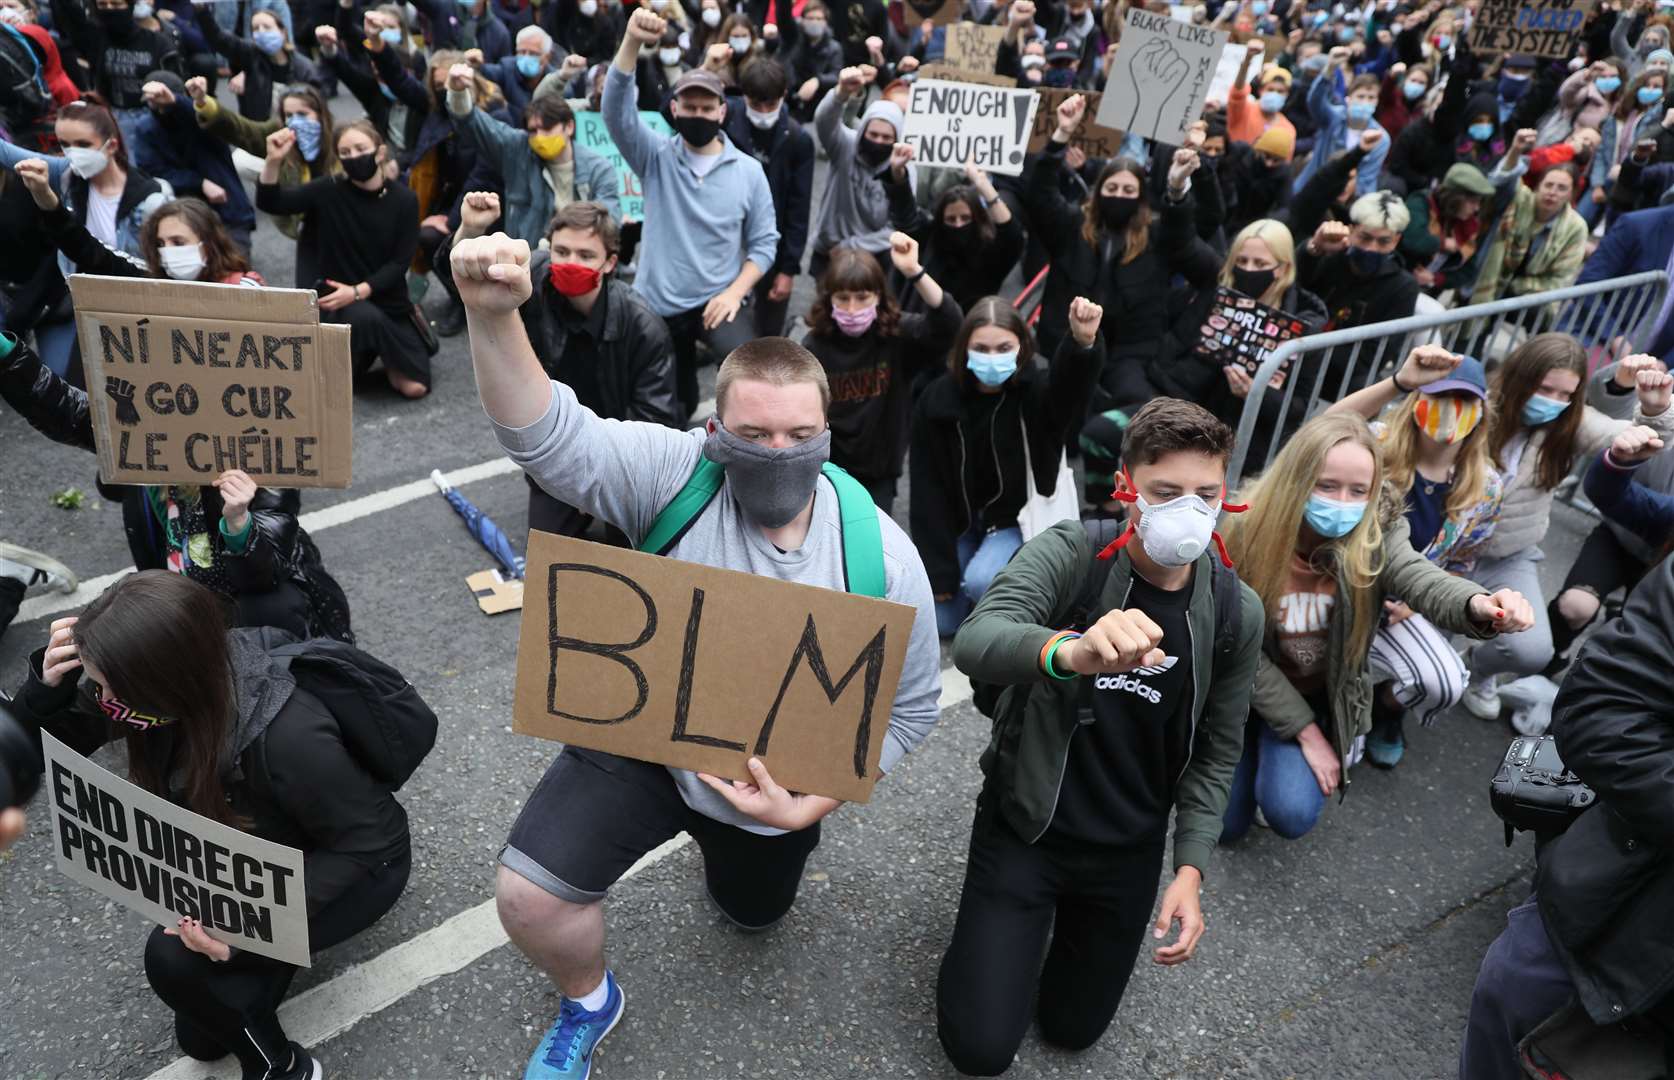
x=1157 y=72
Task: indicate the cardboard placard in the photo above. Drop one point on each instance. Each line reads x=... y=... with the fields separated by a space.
x=1226 y=71
x=188 y=379
x=165 y=862
x=1549 y=29
x=972 y=46
x=1161 y=76
x=941 y=12
x=590 y=132
x=700 y=668
x=1242 y=330
x=949 y=73
x=495 y=592
x=949 y=123
x=1095 y=140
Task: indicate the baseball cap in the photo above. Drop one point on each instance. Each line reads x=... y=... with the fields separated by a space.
x=699 y=79
x=1468 y=378
x=1061 y=50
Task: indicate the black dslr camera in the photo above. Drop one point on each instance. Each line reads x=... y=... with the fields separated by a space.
x=20 y=762
x=1534 y=791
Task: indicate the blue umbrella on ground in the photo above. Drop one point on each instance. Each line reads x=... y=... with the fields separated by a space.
x=482 y=527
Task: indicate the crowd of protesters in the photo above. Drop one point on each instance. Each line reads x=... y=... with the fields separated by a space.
x=1365 y=164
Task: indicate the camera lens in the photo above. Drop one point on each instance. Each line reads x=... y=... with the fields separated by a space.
x=20 y=763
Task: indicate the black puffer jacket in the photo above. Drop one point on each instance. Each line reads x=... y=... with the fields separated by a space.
x=636 y=356
x=278 y=551
x=1606 y=886
x=287 y=768
x=956 y=427
x=1134 y=295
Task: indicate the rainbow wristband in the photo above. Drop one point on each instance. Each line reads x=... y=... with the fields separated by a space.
x=1051 y=650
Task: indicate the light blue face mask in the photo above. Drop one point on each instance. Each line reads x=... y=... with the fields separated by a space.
x=1360 y=112
x=1332 y=519
x=307 y=135
x=1480 y=132
x=1414 y=89
x=144 y=11
x=391 y=35
x=1259 y=8
x=1272 y=101
x=268 y=41
x=1649 y=95
x=1540 y=410
x=1609 y=84
x=991 y=369
x=529 y=66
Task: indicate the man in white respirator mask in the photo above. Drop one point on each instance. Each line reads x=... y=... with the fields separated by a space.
x=1127 y=675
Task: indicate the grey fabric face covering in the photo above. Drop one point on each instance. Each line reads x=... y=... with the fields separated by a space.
x=771 y=485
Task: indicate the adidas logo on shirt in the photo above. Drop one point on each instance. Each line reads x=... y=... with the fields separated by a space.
x=1168 y=662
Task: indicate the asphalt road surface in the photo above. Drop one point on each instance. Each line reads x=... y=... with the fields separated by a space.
x=1349 y=953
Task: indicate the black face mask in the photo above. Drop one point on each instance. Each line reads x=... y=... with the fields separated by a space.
x=119 y=22
x=873 y=153
x=956 y=238
x=1117 y=210
x=361 y=168
x=1252 y=282
x=698 y=131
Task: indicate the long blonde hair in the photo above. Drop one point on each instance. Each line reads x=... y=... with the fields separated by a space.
x=1278 y=241
x=1470 y=467
x=1262 y=540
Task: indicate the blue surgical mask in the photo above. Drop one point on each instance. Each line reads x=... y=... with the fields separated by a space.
x=740 y=44
x=1315 y=64
x=1512 y=87
x=1272 y=101
x=1359 y=112
x=391 y=35
x=1259 y=8
x=1366 y=262
x=1345 y=34
x=1540 y=410
x=1609 y=84
x=1480 y=132
x=1444 y=42
x=1332 y=519
x=1649 y=95
x=1321 y=18
x=268 y=41
x=529 y=66
x=307 y=135
x=991 y=369
x=1414 y=90
x=143 y=10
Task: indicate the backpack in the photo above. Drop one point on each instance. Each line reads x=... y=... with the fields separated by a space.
x=863 y=568
x=1085 y=609
x=385 y=724
x=24 y=98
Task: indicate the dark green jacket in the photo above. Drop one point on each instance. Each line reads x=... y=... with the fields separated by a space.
x=1001 y=643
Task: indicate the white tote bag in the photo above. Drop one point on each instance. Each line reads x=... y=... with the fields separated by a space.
x=1041 y=512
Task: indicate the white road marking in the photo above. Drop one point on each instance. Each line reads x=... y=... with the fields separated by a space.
x=314 y=521
x=333 y=1007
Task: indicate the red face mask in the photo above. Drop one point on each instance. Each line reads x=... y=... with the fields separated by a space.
x=573 y=279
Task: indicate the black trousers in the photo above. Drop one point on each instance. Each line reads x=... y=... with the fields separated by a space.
x=377 y=334
x=1602 y=566
x=232 y=1007
x=686 y=328
x=1085 y=907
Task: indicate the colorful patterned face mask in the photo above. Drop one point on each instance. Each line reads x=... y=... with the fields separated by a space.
x=123 y=714
x=1447 y=418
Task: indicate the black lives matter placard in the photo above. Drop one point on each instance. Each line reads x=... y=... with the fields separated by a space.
x=700 y=668
x=1543 y=28
x=187 y=380
x=167 y=863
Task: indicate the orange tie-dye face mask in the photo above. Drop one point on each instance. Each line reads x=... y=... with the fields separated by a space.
x=1447 y=418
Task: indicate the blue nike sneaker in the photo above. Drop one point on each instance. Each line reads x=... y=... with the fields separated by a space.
x=566 y=1053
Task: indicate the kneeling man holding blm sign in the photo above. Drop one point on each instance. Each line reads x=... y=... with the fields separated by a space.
x=781 y=687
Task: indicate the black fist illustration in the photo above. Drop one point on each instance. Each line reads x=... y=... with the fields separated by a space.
x=121 y=391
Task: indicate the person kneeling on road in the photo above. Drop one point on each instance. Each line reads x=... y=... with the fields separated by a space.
x=1100 y=734
x=779 y=512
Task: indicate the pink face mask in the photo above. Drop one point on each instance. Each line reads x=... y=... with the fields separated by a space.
x=854 y=323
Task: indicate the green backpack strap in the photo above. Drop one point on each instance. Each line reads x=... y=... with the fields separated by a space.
x=863 y=568
x=684 y=508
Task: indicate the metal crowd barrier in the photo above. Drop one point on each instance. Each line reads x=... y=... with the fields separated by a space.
x=1324 y=368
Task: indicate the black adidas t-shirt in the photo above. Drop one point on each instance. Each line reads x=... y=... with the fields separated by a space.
x=1118 y=783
